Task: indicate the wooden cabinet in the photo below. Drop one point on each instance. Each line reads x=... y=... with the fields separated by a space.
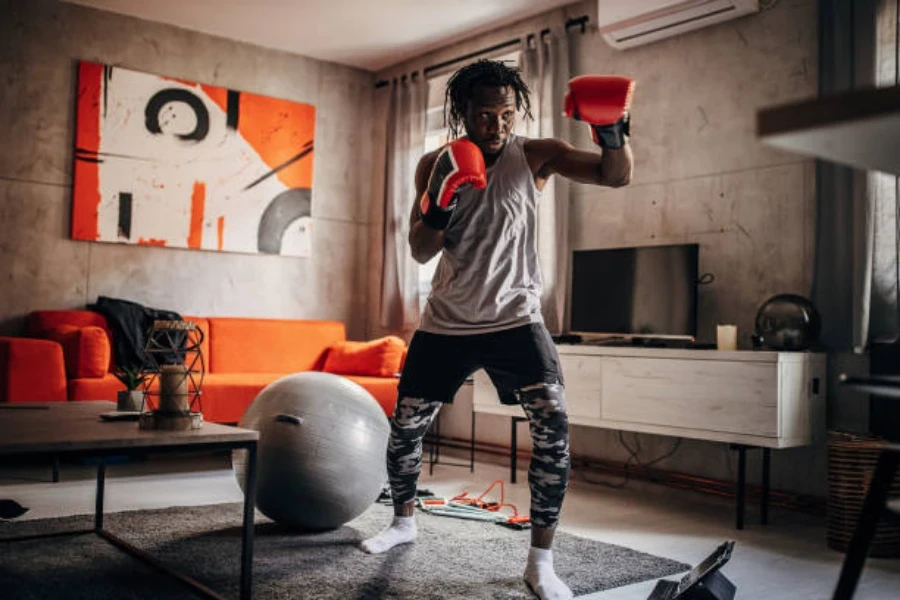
x=765 y=399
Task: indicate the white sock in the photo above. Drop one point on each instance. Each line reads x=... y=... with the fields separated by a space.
x=401 y=531
x=541 y=578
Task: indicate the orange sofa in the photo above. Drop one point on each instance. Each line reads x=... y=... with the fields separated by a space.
x=69 y=357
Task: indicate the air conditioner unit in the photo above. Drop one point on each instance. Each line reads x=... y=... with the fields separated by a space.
x=627 y=23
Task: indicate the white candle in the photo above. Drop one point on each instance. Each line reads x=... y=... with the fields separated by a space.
x=726 y=337
x=173 y=389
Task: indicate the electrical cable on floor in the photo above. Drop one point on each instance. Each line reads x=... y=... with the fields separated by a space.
x=632 y=457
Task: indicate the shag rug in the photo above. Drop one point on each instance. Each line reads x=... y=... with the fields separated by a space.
x=452 y=558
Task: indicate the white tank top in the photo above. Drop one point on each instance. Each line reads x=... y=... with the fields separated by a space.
x=488 y=277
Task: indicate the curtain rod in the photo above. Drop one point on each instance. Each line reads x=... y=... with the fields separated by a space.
x=575 y=22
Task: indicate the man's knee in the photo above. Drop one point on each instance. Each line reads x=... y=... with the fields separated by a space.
x=546 y=404
x=412 y=416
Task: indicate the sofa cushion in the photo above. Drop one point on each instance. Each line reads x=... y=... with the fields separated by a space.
x=86 y=349
x=270 y=345
x=384 y=389
x=40 y=321
x=31 y=371
x=95 y=388
x=376 y=358
x=225 y=396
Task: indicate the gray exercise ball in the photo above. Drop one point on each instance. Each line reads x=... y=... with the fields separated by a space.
x=321 y=451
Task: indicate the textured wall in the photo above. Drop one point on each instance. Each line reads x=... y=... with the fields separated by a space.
x=700 y=173
x=40 y=42
x=700 y=176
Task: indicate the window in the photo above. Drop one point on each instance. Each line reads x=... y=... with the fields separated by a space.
x=436 y=135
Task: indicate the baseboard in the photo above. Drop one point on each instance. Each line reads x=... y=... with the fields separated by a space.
x=812 y=505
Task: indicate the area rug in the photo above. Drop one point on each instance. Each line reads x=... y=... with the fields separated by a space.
x=452 y=559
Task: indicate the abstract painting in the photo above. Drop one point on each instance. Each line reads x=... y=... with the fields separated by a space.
x=167 y=162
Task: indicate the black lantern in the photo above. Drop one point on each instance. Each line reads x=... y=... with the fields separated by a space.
x=175 y=376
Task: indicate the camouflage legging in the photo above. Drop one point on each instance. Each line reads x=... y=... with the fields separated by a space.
x=548 y=473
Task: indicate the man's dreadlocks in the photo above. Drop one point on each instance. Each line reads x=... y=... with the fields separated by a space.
x=483 y=72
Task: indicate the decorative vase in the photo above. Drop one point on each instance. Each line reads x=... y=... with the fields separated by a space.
x=130 y=401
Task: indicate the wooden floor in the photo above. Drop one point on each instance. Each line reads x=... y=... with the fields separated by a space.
x=787 y=559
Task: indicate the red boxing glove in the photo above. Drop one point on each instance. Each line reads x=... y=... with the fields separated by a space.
x=459 y=163
x=603 y=101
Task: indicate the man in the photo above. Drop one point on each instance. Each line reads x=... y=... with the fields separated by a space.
x=477 y=203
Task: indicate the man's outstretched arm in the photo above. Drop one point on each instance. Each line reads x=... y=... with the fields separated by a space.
x=612 y=167
x=603 y=102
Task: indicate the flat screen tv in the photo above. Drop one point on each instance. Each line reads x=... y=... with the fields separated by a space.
x=646 y=291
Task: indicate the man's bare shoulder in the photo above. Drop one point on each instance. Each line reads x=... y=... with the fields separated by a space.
x=423 y=169
x=429 y=157
x=539 y=152
x=544 y=146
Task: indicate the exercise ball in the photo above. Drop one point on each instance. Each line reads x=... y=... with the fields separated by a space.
x=787 y=322
x=321 y=452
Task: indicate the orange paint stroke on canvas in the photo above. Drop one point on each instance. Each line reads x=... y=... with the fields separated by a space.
x=192 y=84
x=86 y=188
x=198 y=205
x=151 y=242
x=221 y=232
x=278 y=130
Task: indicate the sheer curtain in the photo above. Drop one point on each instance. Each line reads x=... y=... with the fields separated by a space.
x=883 y=313
x=845 y=228
x=545 y=66
x=405 y=142
x=858 y=239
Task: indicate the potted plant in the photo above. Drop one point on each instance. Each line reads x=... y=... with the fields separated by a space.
x=130 y=399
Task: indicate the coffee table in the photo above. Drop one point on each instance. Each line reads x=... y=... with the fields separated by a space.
x=76 y=429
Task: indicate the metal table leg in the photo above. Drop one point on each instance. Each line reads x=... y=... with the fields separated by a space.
x=247 y=529
x=764 y=498
x=741 y=484
x=472 y=446
x=513 y=447
x=512 y=450
x=98 y=501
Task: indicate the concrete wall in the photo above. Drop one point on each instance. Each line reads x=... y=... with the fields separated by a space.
x=40 y=42
x=700 y=176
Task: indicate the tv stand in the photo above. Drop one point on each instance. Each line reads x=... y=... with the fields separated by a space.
x=648 y=342
x=747 y=399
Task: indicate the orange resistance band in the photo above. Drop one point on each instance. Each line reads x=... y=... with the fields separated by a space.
x=491 y=506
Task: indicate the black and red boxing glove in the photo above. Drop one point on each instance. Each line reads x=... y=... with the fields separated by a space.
x=603 y=102
x=460 y=163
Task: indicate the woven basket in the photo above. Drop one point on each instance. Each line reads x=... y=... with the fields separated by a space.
x=851 y=465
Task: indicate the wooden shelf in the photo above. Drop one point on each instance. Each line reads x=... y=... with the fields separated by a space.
x=859 y=128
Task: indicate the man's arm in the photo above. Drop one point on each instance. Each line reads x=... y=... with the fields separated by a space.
x=611 y=167
x=601 y=101
x=424 y=241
